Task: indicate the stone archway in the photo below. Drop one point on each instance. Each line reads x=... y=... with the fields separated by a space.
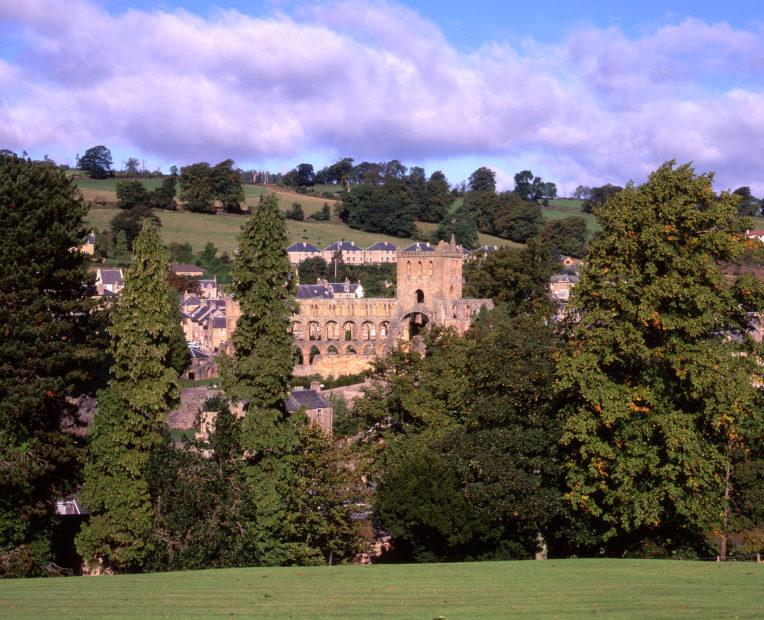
x=412 y=324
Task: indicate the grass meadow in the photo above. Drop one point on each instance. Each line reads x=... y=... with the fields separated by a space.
x=549 y=589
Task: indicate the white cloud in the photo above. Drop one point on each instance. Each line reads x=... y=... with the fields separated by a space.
x=378 y=81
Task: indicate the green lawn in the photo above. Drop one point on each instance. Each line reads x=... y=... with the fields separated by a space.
x=550 y=589
x=566 y=207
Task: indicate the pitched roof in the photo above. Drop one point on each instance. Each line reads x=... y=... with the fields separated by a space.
x=302 y=247
x=197 y=354
x=344 y=245
x=486 y=249
x=218 y=322
x=207 y=283
x=419 y=247
x=384 y=246
x=310 y=399
x=343 y=287
x=313 y=291
x=90 y=238
x=191 y=300
x=111 y=276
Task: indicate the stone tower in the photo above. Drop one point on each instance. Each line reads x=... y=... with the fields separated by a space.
x=429 y=282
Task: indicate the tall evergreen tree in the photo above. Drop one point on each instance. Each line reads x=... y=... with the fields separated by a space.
x=45 y=327
x=283 y=520
x=258 y=374
x=657 y=393
x=131 y=418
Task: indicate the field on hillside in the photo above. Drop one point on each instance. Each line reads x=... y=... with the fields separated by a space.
x=428 y=227
x=566 y=207
x=199 y=228
x=553 y=588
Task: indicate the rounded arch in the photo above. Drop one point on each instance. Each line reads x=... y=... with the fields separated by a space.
x=314 y=351
x=297 y=330
x=351 y=350
x=419 y=268
x=331 y=350
x=429 y=269
x=314 y=330
x=348 y=330
x=368 y=331
x=419 y=294
x=384 y=329
x=414 y=324
x=332 y=330
x=297 y=357
x=408 y=268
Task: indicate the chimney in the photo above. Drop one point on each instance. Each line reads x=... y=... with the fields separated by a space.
x=315 y=386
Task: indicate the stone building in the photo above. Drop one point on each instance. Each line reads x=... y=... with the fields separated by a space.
x=350 y=252
x=343 y=335
x=380 y=253
x=299 y=252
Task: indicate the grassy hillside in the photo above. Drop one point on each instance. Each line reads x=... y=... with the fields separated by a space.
x=555 y=588
x=565 y=207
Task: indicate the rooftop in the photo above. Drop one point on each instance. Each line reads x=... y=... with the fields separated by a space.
x=110 y=276
x=313 y=291
x=384 y=246
x=302 y=247
x=185 y=268
x=419 y=247
x=310 y=399
x=344 y=245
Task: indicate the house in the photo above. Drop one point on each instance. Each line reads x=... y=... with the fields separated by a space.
x=299 y=252
x=483 y=251
x=208 y=289
x=109 y=281
x=318 y=408
x=419 y=247
x=191 y=271
x=381 y=252
x=330 y=290
x=560 y=286
x=350 y=252
x=757 y=234
x=88 y=244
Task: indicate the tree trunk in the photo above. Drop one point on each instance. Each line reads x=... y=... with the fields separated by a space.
x=726 y=514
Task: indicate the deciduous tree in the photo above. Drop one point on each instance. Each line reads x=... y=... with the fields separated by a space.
x=656 y=388
x=96 y=161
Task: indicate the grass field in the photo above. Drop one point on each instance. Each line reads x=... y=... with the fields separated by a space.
x=550 y=589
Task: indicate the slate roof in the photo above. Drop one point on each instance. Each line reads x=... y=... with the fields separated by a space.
x=342 y=287
x=313 y=291
x=383 y=246
x=193 y=300
x=208 y=283
x=90 y=238
x=419 y=247
x=302 y=247
x=344 y=245
x=310 y=399
x=111 y=276
x=218 y=322
x=486 y=249
x=197 y=354
x=200 y=313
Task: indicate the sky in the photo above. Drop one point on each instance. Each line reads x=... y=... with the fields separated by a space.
x=581 y=93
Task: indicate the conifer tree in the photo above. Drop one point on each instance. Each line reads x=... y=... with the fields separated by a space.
x=294 y=511
x=657 y=391
x=258 y=374
x=131 y=417
x=46 y=354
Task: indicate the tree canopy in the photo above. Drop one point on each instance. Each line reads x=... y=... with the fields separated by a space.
x=655 y=386
x=96 y=161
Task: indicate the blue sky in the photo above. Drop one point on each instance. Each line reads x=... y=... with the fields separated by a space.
x=586 y=92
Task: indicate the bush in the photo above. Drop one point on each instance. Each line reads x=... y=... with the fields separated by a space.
x=295 y=213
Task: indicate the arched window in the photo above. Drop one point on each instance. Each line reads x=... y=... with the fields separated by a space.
x=314 y=331
x=351 y=351
x=419 y=268
x=332 y=331
x=419 y=296
x=313 y=352
x=331 y=350
x=349 y=330
x=384 y=326
x=408 y=268
x=297 y=330
x=429 y=269
x=367 y=330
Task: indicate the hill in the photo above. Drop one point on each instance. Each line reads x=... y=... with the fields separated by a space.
x=199 y=228
x=553 y=588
